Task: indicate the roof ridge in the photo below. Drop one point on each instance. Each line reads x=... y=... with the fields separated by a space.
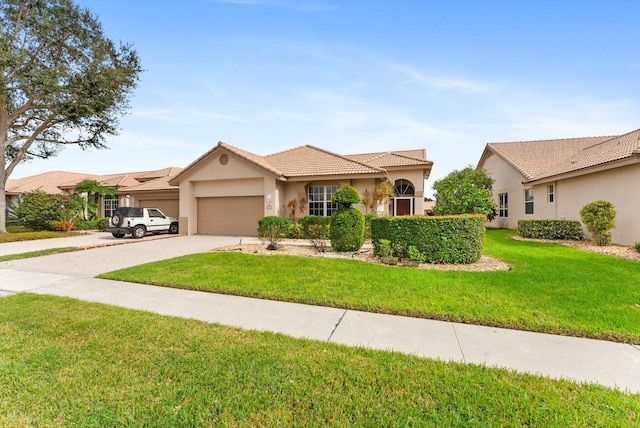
x=347 y=159
x=613 y=138
x=610 y=137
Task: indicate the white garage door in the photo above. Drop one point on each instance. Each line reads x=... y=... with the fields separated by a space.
x=236 y=215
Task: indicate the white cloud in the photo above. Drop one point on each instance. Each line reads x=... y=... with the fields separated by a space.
x=440 y=83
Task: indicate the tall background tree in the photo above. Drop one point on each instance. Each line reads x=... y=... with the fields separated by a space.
x=465 y=191
x=62 y=82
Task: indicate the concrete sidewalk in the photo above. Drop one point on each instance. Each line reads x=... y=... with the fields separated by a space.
x=585 y=360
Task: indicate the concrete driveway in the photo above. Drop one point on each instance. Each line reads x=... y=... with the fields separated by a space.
x=107 y=253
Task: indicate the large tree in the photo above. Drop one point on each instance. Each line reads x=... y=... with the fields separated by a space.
x=465 y=191
x=62 y=82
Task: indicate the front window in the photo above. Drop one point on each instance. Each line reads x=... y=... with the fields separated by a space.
x=551 y=193
x=528 y=201
x=110 y=205
x=320 y=200
x=503 y=205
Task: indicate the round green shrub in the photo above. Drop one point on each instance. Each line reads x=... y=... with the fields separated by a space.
x=346 y=196
x=315 y=226
x=599 y=217
x=347 y=230
x=638 y=246
x=273 y=229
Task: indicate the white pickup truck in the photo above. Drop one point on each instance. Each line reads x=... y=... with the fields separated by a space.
x=138 y=221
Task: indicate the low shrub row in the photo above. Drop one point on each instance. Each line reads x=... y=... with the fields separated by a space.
x=66 y=225
x=550 y=229
x=447 y=239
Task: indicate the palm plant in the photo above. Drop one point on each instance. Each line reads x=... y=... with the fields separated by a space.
x=94 y=190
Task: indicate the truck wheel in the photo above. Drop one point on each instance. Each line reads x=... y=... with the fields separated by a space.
x=116 y=219
x=139 y=232
x=173 y=228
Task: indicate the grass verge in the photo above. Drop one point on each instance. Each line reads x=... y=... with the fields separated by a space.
x=31 y=236
x=64 y=362
x=38 y=253
x=552 y=288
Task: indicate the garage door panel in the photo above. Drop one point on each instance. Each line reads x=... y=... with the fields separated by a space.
x=169 y=207
x=230 y=215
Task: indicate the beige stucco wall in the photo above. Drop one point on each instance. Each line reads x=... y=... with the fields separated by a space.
x=211 y=178
x=507 y=180
x=620 y=186
x=416 y=177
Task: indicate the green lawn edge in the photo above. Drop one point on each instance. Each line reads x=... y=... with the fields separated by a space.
x=64 y=362
x=551 y=288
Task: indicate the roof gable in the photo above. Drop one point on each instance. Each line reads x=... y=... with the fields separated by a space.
x=533 y=159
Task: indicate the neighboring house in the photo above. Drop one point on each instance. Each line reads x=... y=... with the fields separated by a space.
x=227 y=190
x=146 y=188
x=554 y=179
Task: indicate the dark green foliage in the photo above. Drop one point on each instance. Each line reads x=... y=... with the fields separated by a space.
x=599 y=217
x=39 y=209
x=550 y=229
x=464 y=191
x=273 y=229
x=367 y=224
x=347 y=229
x=93 y=189
x=450 y=239
x=638 y=246
x=346 y=196
x=96 y=224
x=63 y=82
x=315 y=226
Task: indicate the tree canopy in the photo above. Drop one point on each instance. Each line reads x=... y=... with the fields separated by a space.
x=62 y=82
x=465 y=191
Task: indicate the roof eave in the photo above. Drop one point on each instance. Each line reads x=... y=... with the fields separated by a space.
x=629 y=160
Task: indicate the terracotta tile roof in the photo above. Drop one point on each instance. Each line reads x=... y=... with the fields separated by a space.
x=616 y=148
x=383 y=160
x=253 y=158
x=160 y=183
x=55 y=182
x=308 y=160
x=420 y=154
x=534 y=158
x=46 y=182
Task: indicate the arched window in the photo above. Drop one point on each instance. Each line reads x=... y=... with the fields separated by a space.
x=404 y=188
x=403 y=201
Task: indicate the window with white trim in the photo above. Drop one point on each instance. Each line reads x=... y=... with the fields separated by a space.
x=551 y=193
x=320 y=200
x=503 y=205
x=528 y=201
x=110 y=205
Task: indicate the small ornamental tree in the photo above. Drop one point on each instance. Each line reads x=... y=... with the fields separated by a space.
x=599 y=217
x=465 y=191
x=347 y=223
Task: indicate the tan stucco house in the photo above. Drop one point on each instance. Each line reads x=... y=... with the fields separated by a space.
x=144 y=188
x=554 y=179
x=227 y=190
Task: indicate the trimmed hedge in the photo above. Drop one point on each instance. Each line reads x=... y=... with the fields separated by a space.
x=551 y=229
x=95 y=224
x=347 y=230
x=446 y=239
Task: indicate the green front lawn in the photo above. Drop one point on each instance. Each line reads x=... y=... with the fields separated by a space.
x=67 y=363
x=551 y=288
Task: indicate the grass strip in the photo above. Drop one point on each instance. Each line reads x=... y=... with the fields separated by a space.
x=38 y=253
x=551 y=288
x=32 y=236
x=64 y=362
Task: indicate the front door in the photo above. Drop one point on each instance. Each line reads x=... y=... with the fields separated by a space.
x=403 y=206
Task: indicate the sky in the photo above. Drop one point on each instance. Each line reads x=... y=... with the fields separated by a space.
x=359 y=76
